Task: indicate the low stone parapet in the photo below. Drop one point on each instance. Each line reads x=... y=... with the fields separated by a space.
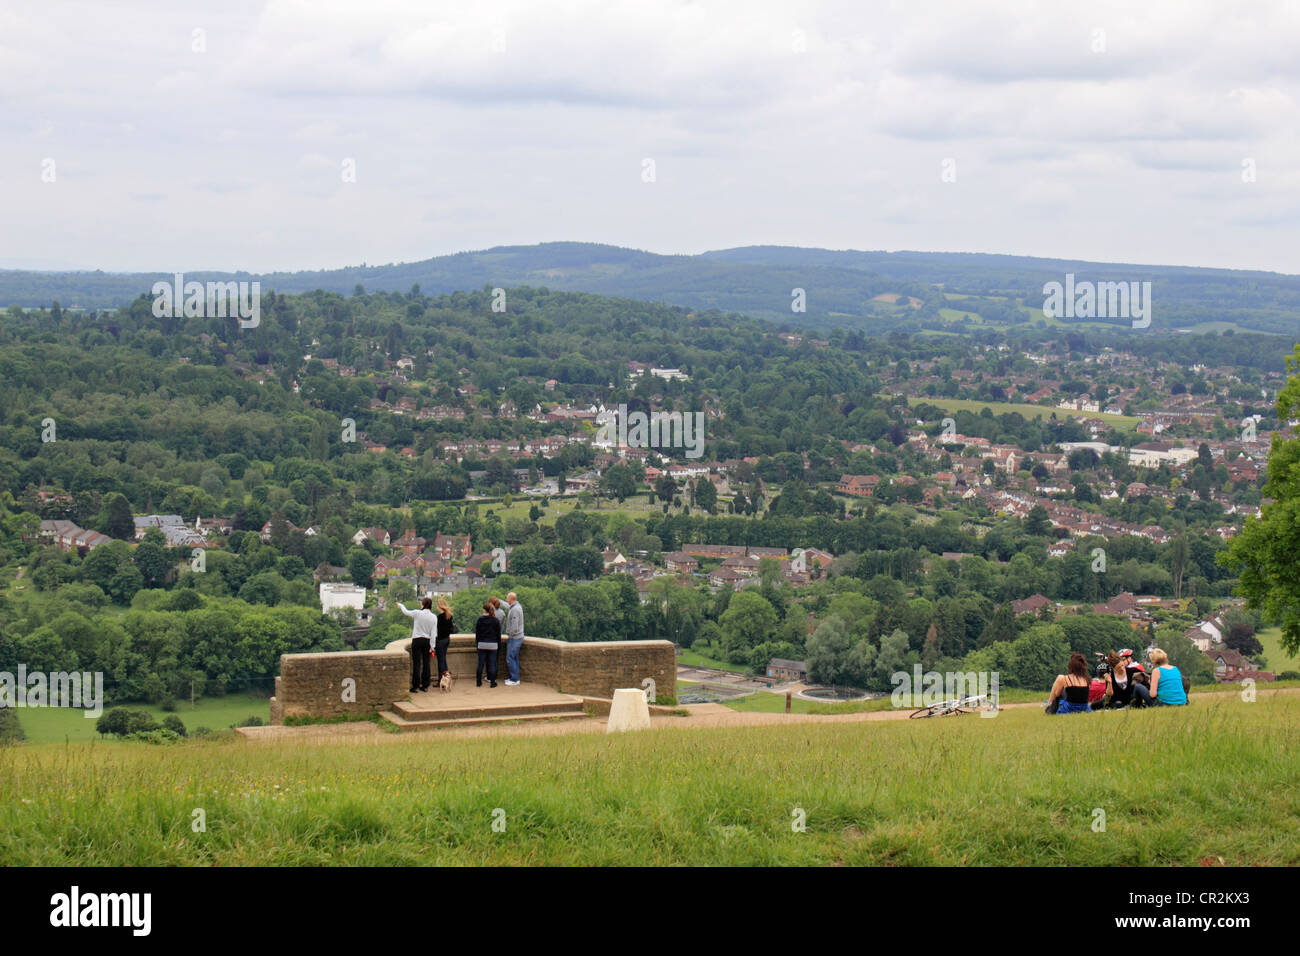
x=313 y=685
x=339 y=683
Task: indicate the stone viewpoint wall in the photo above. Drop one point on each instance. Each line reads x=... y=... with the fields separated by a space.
x=311 y=685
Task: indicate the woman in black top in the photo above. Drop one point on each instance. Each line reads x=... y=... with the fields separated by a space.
x=1071 y=688
x=487 y=635
x=443 y=640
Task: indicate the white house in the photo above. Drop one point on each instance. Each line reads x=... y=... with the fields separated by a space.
x=1213 y=628
x=669 y=374
x=335 y=596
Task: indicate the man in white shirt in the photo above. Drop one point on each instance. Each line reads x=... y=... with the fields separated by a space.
x=424 y=626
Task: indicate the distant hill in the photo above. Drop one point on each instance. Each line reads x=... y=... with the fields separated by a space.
x=841 y=287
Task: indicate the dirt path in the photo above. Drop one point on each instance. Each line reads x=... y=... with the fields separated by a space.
x=700 y=716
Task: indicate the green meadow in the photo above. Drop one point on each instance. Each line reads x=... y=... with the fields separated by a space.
x=637 y=506
x=704 y=654
x=45 y=725
x=1270 y=638
x=1213 y=781
x=1028 y=411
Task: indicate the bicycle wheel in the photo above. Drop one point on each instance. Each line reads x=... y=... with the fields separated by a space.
x=923 y=712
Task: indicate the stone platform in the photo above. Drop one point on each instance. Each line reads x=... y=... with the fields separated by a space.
x=466 y=705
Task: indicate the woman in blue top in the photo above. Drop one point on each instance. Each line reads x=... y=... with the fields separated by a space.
x=1166 y=682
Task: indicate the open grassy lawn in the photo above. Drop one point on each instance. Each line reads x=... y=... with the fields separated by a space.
x=53 y=724
x=1028 y=411
x=769 y=702
x=1278 y=660
x=636 y=506
x=1217 y=779
x=764 y=702
x=704 y=654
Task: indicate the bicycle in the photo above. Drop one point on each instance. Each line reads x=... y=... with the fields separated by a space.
x=962 y=705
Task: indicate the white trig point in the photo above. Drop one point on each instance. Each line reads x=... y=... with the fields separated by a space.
x=629 y=711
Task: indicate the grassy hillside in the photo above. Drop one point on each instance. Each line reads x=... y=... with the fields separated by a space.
x=1021 y=788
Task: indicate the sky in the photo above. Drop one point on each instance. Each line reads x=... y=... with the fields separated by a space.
x=315 y=134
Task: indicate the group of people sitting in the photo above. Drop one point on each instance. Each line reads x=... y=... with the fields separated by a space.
x=1120 y=681
x=495 y=622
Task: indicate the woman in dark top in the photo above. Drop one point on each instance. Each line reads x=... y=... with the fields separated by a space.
x=1071 y=688
x=1119 y=681
x=443 y=640
x=487 y=636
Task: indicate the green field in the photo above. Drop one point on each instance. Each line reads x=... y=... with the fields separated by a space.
x=1034 y=315
x=519 y=506
x=703 y=654
x=55 y=724
x=956 y=315
x=765 y=702
x=769 y=702
x=1028 y=411
x=1270 y=638
x=1213 y=780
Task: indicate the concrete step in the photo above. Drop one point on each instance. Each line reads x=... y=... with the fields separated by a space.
x=506 y=708
x=479 y=718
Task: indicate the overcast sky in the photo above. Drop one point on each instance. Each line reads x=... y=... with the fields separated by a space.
x=1104 y=131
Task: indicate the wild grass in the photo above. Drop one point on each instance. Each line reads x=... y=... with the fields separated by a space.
x=1177 y=786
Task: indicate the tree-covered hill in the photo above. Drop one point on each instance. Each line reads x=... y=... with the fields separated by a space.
x=841 y=288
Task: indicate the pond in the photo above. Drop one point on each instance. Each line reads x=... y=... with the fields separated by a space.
x=836 y=694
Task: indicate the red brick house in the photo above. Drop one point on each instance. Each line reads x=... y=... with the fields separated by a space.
x=859 y=486
x=452 y=547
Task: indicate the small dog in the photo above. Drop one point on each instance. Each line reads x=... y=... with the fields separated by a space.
x=445 y=682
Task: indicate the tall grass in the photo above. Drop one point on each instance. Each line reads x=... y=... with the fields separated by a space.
x=1218 y=779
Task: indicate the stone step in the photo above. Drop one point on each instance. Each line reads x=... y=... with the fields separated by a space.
x=480 y=718
x=504 y=710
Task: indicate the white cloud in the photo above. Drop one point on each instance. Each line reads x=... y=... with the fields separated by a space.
x=515 y=121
